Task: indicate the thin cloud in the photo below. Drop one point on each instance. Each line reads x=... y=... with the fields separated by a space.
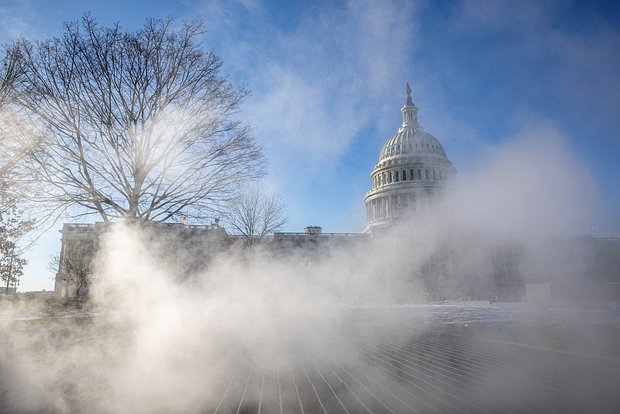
x=19 y=19
x=579 y=60
x=318 y=84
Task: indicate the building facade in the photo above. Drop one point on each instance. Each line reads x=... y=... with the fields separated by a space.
x=412 y=170
x=194 y=245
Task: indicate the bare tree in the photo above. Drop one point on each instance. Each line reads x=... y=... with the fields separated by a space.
x=134 y=124
x=12 y=149
x=13 y=226
x=74 y=267
x=255 y=214
x=12 y=229
x=8 y=74
x=11 y=265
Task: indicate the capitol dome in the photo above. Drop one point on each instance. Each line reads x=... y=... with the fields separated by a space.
x=409 y=141
x=412 y=169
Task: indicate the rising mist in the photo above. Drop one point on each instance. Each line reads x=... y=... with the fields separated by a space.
x=157 y=339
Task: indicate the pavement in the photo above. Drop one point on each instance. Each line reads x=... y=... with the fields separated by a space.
x=435 y=358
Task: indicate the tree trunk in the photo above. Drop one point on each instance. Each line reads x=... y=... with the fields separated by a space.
x=8 y=276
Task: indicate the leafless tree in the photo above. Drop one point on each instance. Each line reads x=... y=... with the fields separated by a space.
x=11 y=266
x=13 y=227
x=8 y=74
x=134 y=125
x=74 y=266
x=12 y=148
x=255 y=214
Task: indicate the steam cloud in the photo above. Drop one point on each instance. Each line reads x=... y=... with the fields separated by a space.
x=162 y=342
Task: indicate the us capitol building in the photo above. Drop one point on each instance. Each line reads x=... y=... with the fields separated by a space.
x=412 y=172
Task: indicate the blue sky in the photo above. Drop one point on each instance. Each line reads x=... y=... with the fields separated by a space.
x=328 y=78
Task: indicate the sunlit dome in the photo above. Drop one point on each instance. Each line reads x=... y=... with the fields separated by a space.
x=411 y=138
x=411 y=141
x=412 y=169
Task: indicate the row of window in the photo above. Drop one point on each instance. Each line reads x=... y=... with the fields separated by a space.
x=395 y=176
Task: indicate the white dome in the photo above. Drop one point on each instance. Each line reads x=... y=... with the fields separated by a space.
x=411 y=141
x=412 y=169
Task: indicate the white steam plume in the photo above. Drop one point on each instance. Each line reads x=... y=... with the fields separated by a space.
x=169 y=342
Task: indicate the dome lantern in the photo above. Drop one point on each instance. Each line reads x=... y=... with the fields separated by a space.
x=410 y=111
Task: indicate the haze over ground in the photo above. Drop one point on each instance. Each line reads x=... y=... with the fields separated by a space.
x=327 y=82
x=500 y=87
